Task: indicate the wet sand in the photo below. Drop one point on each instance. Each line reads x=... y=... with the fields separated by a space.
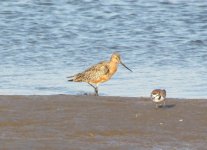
x=105 y=123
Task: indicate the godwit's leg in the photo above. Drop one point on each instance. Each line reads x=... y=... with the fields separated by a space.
x=96 y=91
x=95 y=88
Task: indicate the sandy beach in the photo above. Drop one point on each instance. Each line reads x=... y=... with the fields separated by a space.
x=105 y=123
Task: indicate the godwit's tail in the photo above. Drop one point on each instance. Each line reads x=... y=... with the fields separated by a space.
x=70 y=79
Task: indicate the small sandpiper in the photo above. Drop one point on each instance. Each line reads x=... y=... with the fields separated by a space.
x=158 y=96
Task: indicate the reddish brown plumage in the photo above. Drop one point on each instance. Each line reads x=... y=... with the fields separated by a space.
x=100 y=72
x=158 y=96
x=160 y=92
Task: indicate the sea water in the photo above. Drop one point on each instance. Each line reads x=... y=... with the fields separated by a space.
x=164 y=42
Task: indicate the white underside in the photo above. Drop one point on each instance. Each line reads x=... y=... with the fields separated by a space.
x=157 y=100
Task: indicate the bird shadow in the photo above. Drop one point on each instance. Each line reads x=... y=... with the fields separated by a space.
x=86 y=94
x=167 y=106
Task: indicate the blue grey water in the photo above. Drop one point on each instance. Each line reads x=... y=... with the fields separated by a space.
x=164 y=42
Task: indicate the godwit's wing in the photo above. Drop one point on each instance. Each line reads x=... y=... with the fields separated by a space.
x=92 y=73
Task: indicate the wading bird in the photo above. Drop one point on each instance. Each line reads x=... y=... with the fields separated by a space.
x=99 y=73
x=158 y=96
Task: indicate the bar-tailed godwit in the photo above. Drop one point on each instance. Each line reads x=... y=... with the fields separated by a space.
x=158 y=96
x=99 y=73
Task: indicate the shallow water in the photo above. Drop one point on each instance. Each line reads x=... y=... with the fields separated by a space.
x=163 y=41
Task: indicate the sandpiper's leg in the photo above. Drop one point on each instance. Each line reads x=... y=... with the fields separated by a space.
x=156 y=105
x=164 y=103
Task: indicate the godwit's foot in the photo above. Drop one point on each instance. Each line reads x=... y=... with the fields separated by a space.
x=96 y=91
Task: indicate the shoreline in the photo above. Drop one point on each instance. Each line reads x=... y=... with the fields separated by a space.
x=103 y=122
x=104 y=96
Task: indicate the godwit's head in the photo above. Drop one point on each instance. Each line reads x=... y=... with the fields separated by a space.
x=116 y=58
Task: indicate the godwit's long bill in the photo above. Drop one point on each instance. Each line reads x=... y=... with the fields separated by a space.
x=100 y=72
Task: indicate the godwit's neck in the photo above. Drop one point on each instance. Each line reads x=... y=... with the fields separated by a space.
x=113 y=66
